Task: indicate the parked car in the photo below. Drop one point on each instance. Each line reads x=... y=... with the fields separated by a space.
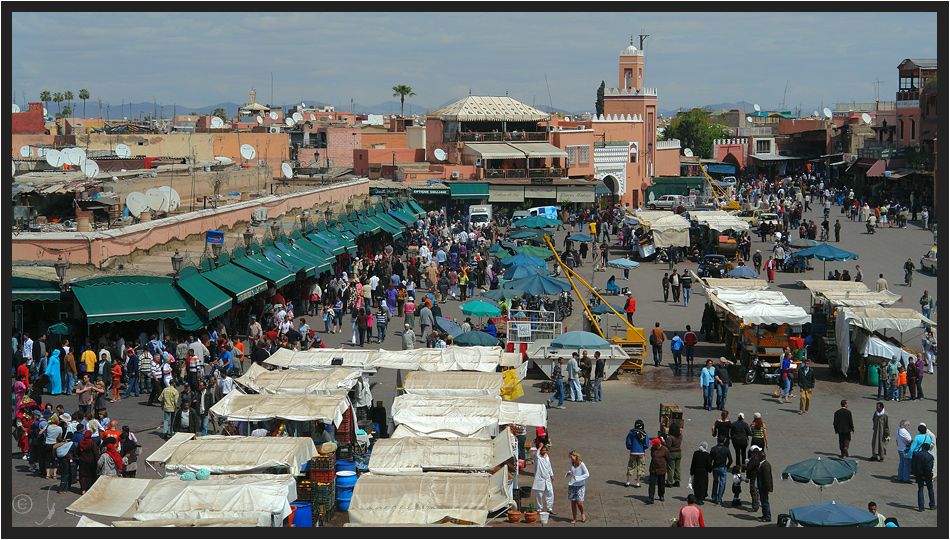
x=929 y=261
x=518 y=214
x=712 y=266
x=751 y=216
x=771 y=219
x=667 y=202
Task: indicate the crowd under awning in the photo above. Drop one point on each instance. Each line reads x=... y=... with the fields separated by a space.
x=206 y=294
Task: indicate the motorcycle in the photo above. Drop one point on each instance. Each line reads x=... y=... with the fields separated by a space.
x=870 y=228
x=909 y=278
x=764 y=370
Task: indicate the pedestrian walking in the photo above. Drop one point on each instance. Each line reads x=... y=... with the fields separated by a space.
x=770 y=269
x=598 y=377
x=686 y=282
x=630 y=307
x=806 y=382
x=880 y=433
x=577 y=474
x=723 y=382
x=763 y=483
x=675 y=286
x=674 y=443
x=676 y=347
x=723 y=428
x=689 y=343
x=169 y=400
x=659 y=455
x=707 y=380
x=844 y=427
x=656 y=340
x=699 y=470
x=543 y=486
x=757 y=261
x=88 y=458
x=557 y=377
x=574 y=379
x=721 y=462
x=637 y=445
x=739 y=434
x=926 y=304
x=760 y=436
x=903 y=439
x=666 y=286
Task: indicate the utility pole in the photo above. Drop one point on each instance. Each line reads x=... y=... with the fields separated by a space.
x=877 y=88
x=643 y=38
x=271 y=86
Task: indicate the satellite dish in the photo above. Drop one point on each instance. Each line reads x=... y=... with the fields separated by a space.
x=26 y=151
x=123 y=151
x=827 y=112
x=756 y=107
x=217 y=123
x=157 y=200
x=688 y=153
x=815 y=114
x=74 y=156
x=288 y=172
x=313 y=116
x=439 y=154
x=247 y=151
x=866 y=118
x=224 y=160
x=137 y=203
x=174 y=200
x=289 y=121
x=90 y=168
x=748 y=119
x=297 y=117
x=45 y=113
x=16 y=108
x=260 y=120
x=274 y=115
x=55 y=158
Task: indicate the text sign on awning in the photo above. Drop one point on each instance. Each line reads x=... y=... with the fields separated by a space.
x=214 y=237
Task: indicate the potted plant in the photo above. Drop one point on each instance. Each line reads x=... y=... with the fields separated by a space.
x=531 y=515
x=514 y=514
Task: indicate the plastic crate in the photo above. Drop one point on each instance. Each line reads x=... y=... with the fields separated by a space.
x=344 y=451
x=322 y=475
x=323 y=512
x=323 y=461
x=325 y=492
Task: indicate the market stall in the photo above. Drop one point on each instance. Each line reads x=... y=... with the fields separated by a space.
x=423 y=498
x=661 y=229
x=326 y=381
x=220 y=454
x=328 y=408
x=454 y=383
x=464 y=414
x=866 y=327
x=322 y=359
x=418 y=454
x=263 y=498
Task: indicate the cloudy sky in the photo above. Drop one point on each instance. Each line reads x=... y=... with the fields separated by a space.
x=198 y=59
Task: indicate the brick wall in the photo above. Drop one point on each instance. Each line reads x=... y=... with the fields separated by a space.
x=392 y=139
x=29 y=122
x=341 y=141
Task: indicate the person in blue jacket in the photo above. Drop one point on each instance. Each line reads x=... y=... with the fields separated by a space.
x=707 y=380
x=637 y=445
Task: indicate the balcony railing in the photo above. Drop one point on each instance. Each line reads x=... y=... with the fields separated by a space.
x=492 y=136
x=546 y=172
x=908 y=95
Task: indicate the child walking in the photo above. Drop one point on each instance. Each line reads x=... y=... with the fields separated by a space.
x=902 y=382
x=736 y=486
x=116 y=380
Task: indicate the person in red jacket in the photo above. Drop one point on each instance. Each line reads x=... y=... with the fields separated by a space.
x=690 y=515
x=689 y=340
x=630 y=307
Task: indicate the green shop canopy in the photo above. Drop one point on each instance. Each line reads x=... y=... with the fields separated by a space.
x=414 y=206
x=123 y=302
x=206 y=294
x=386 y=226
x=402 y=216
x=385 y=218
x=308 y=252
x=265 y=269
x=34 y=289
x=321 y=240
x=469 y=190
x=290 y=261
x=364 y=220
x=240 y=283
x=348 y=243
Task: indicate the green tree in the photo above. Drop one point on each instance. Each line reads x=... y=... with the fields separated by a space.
x=220 y=113
x=58 y=100
x=599 y=105
x=46 y=97
x=401 y=91
x=67 y=111
x=68 y=97
x=696 y=130
x=83 y=95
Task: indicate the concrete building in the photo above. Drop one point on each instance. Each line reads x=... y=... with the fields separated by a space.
x=913 y=74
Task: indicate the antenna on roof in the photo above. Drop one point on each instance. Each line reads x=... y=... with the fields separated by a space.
x=550 y=101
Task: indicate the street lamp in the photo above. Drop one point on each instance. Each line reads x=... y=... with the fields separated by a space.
x=274 y=229
x=328 y=215
x=177 y=261
x=248 y=237
x=216 y=251
x=60 y=265
x=304 y=217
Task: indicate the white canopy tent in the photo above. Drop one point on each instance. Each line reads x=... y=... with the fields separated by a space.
x=719 y=220
x=873 y=319
x=758 y=307
x=402 y=430
x=221 y=454
x=322 y=359
x=325 y=381
x=423 y=498
x=884 y=298
x=418 y=454
x=454 y=383
x=450 y=359
x=731 y=283
x=464 y=414
x=264 y=498
x=328 y=408
x=668 y=228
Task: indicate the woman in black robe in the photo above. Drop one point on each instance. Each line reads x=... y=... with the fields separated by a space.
x=88 y=458
x=699 y=470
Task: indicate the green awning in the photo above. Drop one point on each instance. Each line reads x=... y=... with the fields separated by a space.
x=206 y=294
x=34 y=289
x=363 y=221
x=345 y=239
x=469 y=190
x=291 y=262
x=601 y=189
x=383 y=225
x=321 y=241
x=402 y=216
x=386 y=219
x=240 y=283
x=414 y=206
x=265 y=269
x=123 y=302
x=301 y=250
x=349 y=228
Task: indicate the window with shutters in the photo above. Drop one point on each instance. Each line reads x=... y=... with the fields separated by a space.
x=578 y=154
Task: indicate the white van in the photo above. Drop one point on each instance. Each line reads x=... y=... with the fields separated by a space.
x=479 y=215
x=545 y=211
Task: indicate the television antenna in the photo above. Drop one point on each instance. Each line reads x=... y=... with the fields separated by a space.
x=274 y=115
x=26 y=151
x=289 y=121
x=439 y=154
x=756 y=107
x=297 y=117
x=877 y=87
x=217 y=123
x=157 y=200
x=55 y=158
x=287 y=170
x=174 y=200
x=748 y=119
x=260 y=120
x=866 y=118
x=248 y=151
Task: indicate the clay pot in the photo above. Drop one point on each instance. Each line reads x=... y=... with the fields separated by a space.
x=514 y=516
x=530 y=517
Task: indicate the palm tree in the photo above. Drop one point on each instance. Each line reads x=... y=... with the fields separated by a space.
x=68 y=97
x=402 y=91
x=67 y=111
x=58 y=99
x=83 y=95
x=46 y=97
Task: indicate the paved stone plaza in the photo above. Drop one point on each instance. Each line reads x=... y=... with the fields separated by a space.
x=597 y=430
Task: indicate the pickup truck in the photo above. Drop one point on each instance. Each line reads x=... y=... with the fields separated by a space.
x=668 y=202
x=929 y=261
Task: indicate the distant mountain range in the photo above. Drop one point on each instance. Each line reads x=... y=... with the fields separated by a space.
x=143 y=109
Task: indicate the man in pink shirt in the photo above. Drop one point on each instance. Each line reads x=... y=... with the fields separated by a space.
x=691 y=515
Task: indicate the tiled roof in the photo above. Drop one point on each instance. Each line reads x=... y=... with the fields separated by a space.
x=490 y=109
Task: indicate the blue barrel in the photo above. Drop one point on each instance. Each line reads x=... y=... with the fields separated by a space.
x=302 y=514
x=345 y=480
x=345 y=465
